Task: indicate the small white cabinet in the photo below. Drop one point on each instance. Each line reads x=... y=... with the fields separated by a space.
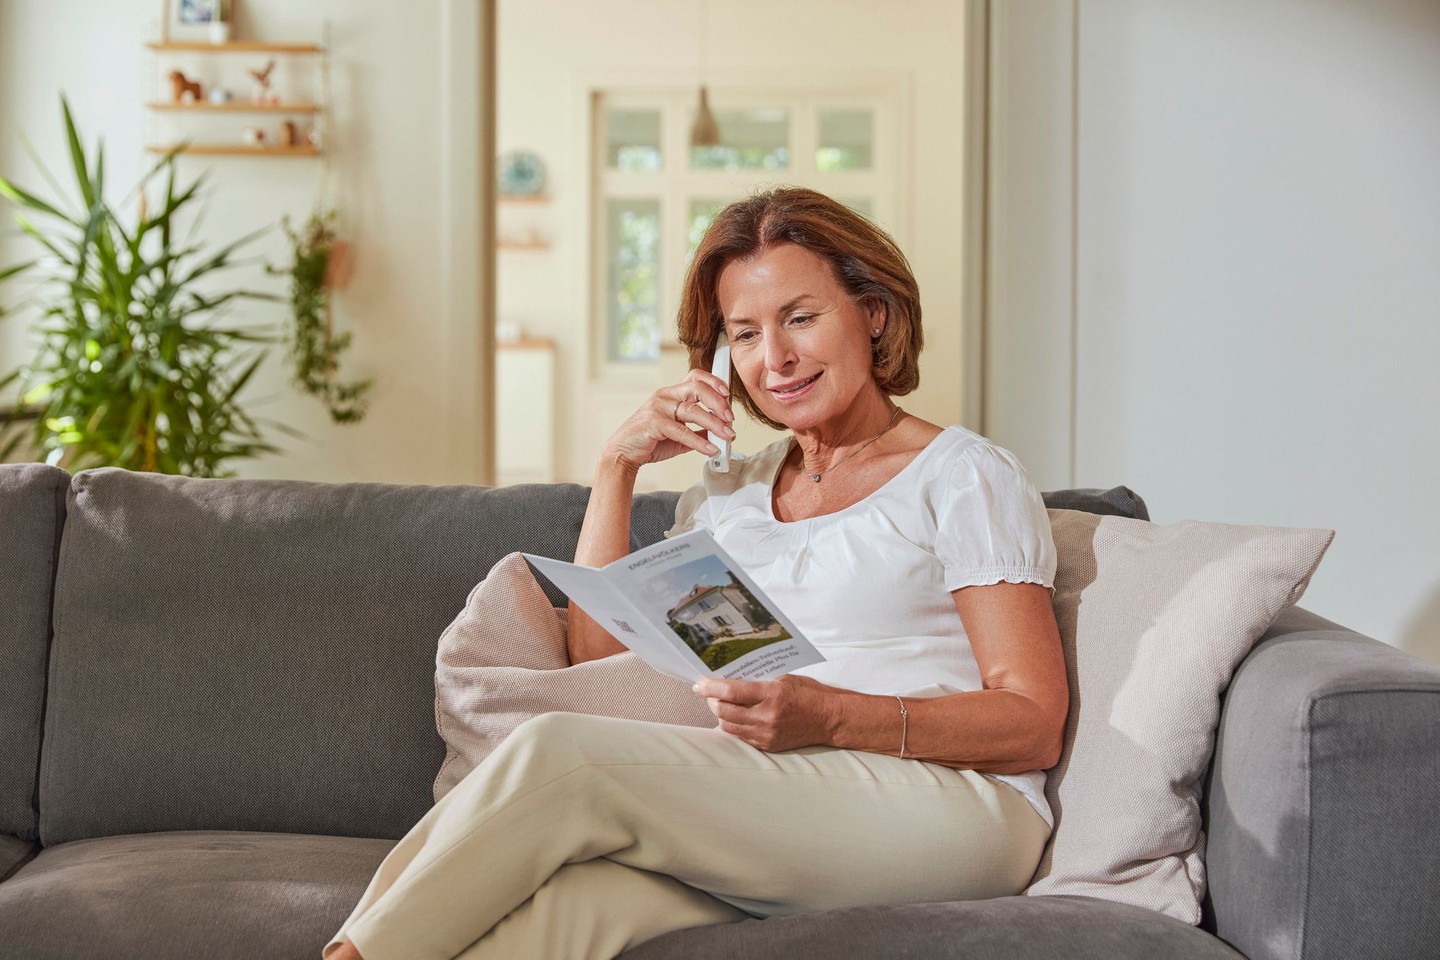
x=525 y=411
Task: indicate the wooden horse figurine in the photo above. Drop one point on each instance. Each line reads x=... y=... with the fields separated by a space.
x=181 y=85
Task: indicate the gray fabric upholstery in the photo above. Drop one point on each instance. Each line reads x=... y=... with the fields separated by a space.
x=231 y=896
x=1322 y=800
x=260 y=654
x=14 y=852
x=1076 y=928
x=651 y=515
x=32 y=514
x=655 y=512
x=1115 y=502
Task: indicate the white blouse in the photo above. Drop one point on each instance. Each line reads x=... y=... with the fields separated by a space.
x=870 y=585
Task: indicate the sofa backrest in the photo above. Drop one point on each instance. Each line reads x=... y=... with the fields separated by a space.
x=32 y=514
x=260 y=654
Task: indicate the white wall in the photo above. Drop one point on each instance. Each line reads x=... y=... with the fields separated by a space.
x=542 y=69
x=396 y=117
x=1255 y=246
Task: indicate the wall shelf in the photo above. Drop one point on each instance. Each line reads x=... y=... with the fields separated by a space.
x=236 y=46
x=183 y=114
x=236 y=107
x=238 y=150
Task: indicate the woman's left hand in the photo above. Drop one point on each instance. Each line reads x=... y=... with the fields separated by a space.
x=773 y=715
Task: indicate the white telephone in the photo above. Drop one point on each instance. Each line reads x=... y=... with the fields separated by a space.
x=720 y=367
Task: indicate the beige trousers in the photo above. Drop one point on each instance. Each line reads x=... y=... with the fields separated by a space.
x=583 y=836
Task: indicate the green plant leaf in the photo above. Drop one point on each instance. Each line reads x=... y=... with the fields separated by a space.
x=42 y=166
x=28 y=200
x=43 y=240
x=15 y=270
x=77 y=156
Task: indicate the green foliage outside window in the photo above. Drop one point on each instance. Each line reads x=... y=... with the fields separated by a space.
x=637 y=284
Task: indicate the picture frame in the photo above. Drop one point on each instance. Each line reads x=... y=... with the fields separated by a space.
x=199 y=21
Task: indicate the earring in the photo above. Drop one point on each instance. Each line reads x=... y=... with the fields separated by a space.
x=877 y=331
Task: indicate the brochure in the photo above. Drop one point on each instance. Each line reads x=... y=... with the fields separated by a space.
x=687 y=609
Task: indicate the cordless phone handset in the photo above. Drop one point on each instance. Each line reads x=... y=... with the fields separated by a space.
x=720 y=367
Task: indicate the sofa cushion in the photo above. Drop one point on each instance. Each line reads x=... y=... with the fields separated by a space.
x=260 y=654
x=1154 y=620
x=1015 y=928
x=191 y=894
x=32 y=514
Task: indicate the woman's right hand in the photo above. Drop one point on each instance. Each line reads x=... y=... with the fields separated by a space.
x=661 y=428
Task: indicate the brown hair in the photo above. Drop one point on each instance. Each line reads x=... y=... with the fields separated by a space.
x=863 y=258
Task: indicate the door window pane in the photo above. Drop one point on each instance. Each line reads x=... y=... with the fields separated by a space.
x=749 y=140
x=702 y=212
x=847 y=140
x=632 y=140
x=633 y=232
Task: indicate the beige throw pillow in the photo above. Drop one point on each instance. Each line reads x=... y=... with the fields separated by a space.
x=503 y=660
x=1154 y=621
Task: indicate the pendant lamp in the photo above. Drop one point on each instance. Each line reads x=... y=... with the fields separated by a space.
x=705 y=132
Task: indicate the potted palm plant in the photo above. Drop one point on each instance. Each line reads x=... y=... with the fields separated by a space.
x=135 y=368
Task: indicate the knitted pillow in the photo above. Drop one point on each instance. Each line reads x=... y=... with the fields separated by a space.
x=503 y=660
x=1154 y=620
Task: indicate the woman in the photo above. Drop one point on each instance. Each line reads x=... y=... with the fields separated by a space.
x=917 y=559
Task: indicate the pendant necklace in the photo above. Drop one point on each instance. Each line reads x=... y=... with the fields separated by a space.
x=816 y=476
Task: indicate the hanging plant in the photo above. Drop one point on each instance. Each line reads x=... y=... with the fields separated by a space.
x=320 y=263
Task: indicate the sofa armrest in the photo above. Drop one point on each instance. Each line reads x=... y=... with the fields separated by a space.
x=1322 y=799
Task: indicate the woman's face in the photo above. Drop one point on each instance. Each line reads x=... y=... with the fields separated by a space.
x=798 y=342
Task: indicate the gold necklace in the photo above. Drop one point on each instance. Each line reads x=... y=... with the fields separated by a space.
x=816 y=476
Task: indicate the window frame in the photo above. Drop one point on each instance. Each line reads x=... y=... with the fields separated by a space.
x=883 y=184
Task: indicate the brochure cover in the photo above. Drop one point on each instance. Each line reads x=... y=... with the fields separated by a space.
x=687 y=609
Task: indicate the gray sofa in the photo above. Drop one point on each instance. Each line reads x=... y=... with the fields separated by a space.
x=217 y=717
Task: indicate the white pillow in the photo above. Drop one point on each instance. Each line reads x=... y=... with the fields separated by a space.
x=1154 y=620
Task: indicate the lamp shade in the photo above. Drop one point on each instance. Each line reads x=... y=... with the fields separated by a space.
x=705 y=132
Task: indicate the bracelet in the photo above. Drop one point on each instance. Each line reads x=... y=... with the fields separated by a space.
x=904 y=724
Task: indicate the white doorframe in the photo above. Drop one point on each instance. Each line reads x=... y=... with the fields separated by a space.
x=467 y=266
x=973 y=215
x=1030 y=324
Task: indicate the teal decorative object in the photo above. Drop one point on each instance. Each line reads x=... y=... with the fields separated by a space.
x=521 y=174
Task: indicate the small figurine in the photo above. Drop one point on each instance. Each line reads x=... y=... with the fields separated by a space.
x=254 y=135
x=261 y=93
x=219 y=95
x=289 y=134
x=183 y=89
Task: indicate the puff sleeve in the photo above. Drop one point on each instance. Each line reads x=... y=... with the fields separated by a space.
x=692 y=511
x=991 y=524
